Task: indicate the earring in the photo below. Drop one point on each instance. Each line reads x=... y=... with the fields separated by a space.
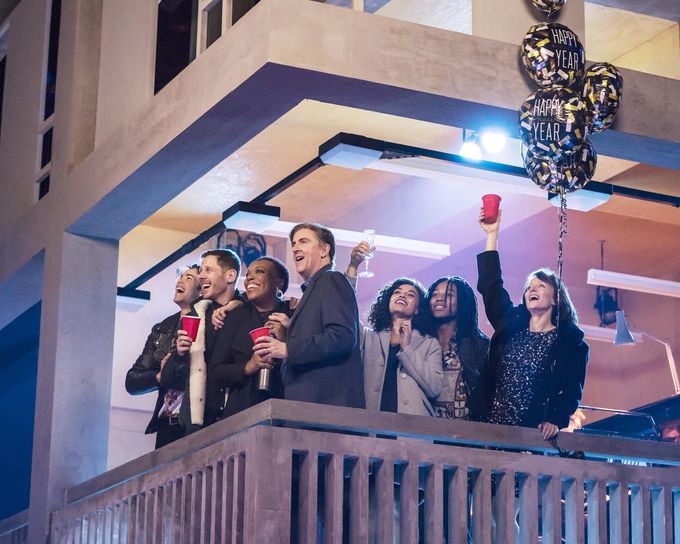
x=279 y=293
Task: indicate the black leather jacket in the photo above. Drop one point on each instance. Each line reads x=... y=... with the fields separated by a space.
x=141 y=378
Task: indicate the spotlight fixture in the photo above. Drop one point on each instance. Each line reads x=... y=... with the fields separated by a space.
x=493 y=141
x=470 y=148
x=607 y=298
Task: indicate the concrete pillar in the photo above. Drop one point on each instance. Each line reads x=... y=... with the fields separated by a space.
x=126 y=68
x=77 y=84
x=70 y=439
x=509 y=20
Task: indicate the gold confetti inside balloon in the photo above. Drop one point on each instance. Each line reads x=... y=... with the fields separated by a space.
x=548 y=6
x=570 y=173
x=553 y=123
x=553 y=55
x=602 y=92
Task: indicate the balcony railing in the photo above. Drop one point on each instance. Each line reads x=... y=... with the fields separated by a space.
x=296 y=472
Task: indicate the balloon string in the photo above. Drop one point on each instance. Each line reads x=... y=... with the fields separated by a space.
x=560 y=247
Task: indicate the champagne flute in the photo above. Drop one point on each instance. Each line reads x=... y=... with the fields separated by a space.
x=369 y=238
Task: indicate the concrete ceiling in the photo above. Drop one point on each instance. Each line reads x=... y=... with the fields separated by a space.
x=371 y=199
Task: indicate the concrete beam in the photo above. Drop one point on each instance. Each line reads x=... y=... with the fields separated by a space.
x=666 y=9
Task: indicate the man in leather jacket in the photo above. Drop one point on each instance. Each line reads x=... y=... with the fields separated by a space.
x=144 y=376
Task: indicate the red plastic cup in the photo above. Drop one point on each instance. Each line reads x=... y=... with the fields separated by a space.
x=190 y=324
x=257 y=333
x=491 y=203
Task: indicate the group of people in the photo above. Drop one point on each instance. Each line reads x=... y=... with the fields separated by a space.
x=421 y=352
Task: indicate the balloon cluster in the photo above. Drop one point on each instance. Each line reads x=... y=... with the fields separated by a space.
x=571 y=103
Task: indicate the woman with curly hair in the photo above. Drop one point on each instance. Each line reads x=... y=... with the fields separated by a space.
x=402 y=364
x=452 y=305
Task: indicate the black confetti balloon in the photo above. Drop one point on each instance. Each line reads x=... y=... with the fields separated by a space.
x=553 y=55
x=548 y=6
x=569 y=173
x=553 y=123
x=602 y=92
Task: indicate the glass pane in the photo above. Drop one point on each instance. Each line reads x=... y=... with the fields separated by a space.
x=44 y=187
x=46 y=155
x=175 y=39
x=214 y=24
x=51 y=74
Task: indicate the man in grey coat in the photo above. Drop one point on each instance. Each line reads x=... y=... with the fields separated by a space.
x=321 y=357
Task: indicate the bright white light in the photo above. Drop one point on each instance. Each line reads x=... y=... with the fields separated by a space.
x=470 y=150
x=493 y=141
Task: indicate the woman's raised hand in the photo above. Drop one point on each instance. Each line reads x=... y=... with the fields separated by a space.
x=489 y=227
x=491 y=230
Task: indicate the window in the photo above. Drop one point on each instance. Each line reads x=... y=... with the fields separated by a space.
x=240 y=8
x=213 y=24
x=3 y=67
x=46 y=154
x=175 y=39
x=43 y=186
x=52 y=54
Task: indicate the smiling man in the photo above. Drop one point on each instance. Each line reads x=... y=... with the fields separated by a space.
x=186 y=368
x=144 y=376
x=321 y=357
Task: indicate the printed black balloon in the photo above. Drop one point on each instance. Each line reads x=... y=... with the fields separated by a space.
x=553 y=55
x=548 y=6
x=570 y=173
x=602 y=92
x=553 y=123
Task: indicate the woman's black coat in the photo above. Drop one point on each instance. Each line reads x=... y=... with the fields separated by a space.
x=562 y=393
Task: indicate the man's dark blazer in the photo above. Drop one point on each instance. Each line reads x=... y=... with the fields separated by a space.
x=324 y=357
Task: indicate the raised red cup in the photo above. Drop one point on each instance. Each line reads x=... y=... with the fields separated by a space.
x=257 y=333
x=190 y=324
x=491 y=204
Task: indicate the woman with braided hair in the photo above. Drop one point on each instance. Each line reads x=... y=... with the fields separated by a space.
x=452 y=305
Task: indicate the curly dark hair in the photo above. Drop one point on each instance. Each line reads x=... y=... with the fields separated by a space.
x=379 y=315
x=467 y=319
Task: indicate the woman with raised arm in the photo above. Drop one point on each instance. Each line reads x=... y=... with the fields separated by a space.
x=452 y=305
x=402 y=363
x=537 y=356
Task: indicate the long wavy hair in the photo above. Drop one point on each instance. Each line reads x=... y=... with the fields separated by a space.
x=567 y=310
x=379 y=315
x=467 y=317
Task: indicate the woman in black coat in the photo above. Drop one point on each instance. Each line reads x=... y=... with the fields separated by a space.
x=233 y=367
x=537 y=359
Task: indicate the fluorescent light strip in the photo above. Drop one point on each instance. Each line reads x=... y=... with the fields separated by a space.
x=387 y=244
x=642 y=284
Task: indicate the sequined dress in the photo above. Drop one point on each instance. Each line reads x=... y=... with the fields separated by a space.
x=522 y=373
x=452 y=401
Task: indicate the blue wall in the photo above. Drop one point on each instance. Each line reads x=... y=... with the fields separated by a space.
x=18 y=378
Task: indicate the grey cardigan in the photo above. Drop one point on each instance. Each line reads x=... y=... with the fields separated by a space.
x=420 y=371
